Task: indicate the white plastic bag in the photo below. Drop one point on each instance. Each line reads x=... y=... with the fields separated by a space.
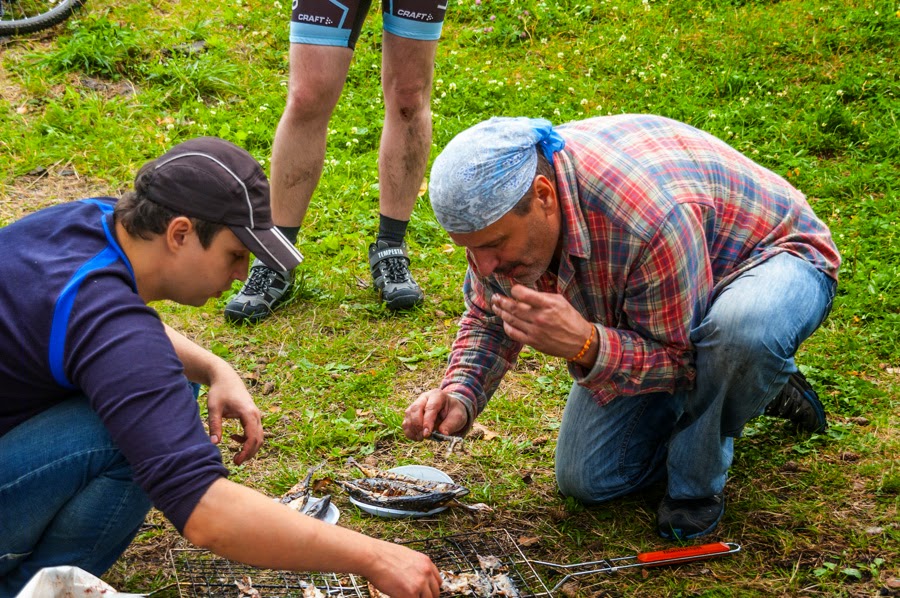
x=68 y=582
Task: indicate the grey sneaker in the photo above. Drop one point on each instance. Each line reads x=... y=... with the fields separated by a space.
x=390 y=271
x=799 y=403
x=264 y=290
x=689 y=518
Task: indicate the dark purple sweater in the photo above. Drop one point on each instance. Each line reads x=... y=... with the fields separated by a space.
x=72 y=323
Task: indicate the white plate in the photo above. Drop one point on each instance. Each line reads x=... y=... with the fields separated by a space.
x=331 y=515
x=422 y=472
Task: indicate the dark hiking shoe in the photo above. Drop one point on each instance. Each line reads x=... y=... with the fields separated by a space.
x=264 y=290
x=689 y=518
x=798 y=403
x=390 y=272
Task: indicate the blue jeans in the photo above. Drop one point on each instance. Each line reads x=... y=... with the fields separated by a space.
x=66 y=496
x=745 y=348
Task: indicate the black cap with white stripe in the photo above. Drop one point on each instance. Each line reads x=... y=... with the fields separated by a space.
x=214 y=180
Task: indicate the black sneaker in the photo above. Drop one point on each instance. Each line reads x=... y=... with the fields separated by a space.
x=689 y=518
x=390 y=271
x=264 y=290
x=799 y=403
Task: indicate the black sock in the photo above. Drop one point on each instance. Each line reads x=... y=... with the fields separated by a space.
x=391 y=231
x=291 y=232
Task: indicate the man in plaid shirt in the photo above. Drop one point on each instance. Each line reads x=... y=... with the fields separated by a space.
x=675 y=275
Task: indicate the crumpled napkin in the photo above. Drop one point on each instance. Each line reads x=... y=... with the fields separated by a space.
x=68 y=582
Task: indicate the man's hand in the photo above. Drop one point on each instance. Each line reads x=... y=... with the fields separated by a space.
x=400 y=572
x=434 y=410
x=545 y=321
x=228 y=398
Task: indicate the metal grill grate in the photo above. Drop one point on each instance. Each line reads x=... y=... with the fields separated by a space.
x=201 y=574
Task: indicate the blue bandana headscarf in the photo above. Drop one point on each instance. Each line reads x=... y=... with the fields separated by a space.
x=485 y=170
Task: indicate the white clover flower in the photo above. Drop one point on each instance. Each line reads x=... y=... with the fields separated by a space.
x=623 y=38
x=583 y=102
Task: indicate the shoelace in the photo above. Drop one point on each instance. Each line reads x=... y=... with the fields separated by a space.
x=259 y=281
x=394 y=269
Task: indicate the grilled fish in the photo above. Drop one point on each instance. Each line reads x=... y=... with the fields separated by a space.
x=319 y=509
x=468 y=584
x=419 y=484
x=394 y=494
x=245 y=587
x=478 y=584
x=300 y=490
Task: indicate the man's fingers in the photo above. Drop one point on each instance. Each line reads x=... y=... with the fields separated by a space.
x=433 y=407
x=529 y=296
x=413 y=419
x=215 y=427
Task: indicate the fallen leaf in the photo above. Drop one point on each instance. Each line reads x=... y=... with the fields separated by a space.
x=570 y=589
x=23 y=109
x=274 y=408
x=481 y=432
x=526 y=541
x=267 y=388
x=893 y=583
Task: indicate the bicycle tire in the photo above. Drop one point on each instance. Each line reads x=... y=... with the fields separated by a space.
x=54 y=16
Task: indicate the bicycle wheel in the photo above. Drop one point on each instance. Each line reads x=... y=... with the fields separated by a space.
x=28 y=16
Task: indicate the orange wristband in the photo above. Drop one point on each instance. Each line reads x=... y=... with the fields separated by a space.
x=587 y=345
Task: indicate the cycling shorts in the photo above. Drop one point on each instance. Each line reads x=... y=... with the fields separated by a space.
x=338 y=22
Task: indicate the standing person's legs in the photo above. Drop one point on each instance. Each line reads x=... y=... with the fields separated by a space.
x=317 y=75
x=745 y=355
x=407 y=74
x=66 y=496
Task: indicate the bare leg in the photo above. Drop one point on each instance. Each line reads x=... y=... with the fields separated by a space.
x=407 y=73
x=298 y=152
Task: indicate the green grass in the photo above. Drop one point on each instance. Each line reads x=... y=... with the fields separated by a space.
x=808 y=89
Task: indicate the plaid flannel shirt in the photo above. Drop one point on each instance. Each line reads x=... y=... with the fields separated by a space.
x=657 y=217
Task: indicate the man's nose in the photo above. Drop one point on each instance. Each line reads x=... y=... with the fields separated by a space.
x=485 y=262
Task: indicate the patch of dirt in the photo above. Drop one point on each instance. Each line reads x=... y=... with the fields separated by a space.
x=46 y=186
x=10 y=91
